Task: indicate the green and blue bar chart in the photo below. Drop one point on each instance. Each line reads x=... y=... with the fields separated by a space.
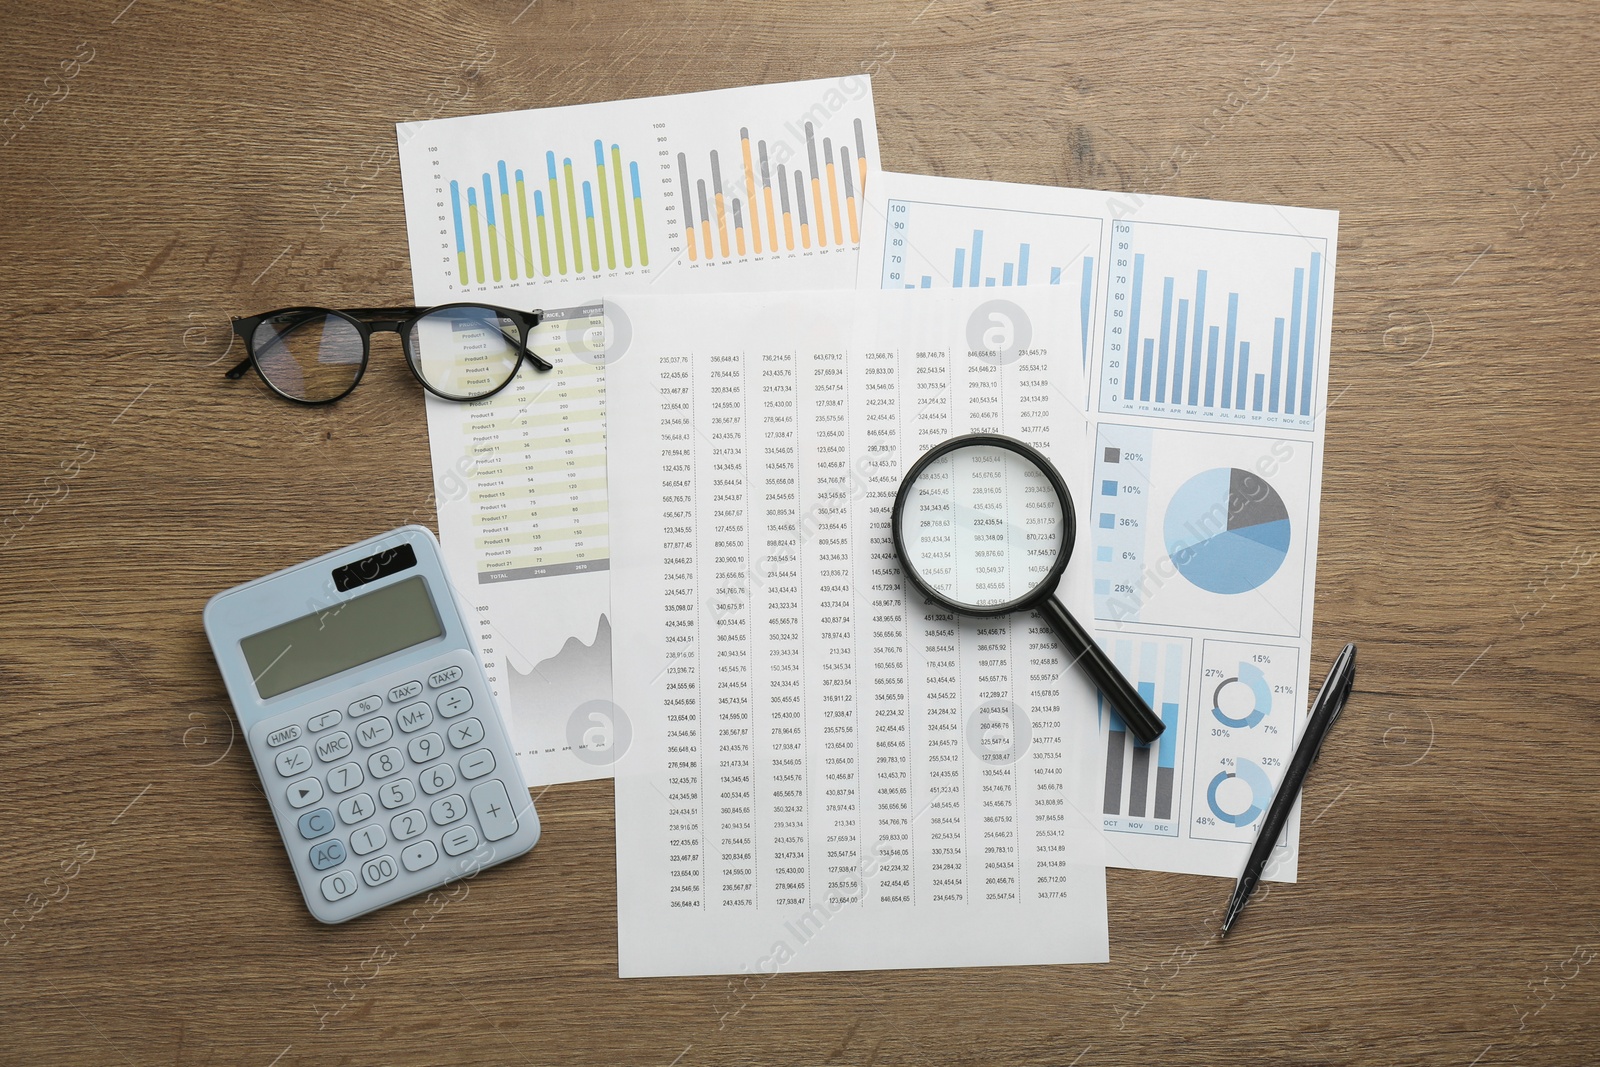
x=574 y=220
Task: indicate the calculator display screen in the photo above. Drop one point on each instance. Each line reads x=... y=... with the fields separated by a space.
x=344 y=635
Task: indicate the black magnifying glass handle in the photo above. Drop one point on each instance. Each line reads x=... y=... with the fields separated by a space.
x=1081 y=646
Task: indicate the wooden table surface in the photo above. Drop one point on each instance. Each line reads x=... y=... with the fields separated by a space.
x=168 y=165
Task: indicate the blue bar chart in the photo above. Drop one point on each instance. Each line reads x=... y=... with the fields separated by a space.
x=1217 y=325
x=1142 y=781
x=933 y=245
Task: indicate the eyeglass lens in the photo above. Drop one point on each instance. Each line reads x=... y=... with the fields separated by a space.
x=465 y=352
x=312 y=357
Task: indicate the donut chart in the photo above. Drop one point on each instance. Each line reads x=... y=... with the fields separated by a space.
x=1255 y=682
x=1260 y=789
x=1227 y=530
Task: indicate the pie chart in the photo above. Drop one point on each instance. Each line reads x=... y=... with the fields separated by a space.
x=1227 y=530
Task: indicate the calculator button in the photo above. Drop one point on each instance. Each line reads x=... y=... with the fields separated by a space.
x=292 y=761
x=313 y=824
x=455 y=702
x=366 y=706
x=368 y=839
x=408 y=824
x=356 y=808
x=345 y=777
x=398 y=792
x=493 y=806
x=305 y=791
x=459 y=840
x=374 y=732
x=477 y=764
x=338 y=886
x=383 y=764
x=334 y=746
x=405 y=691
x=447 y=810
x=283 y=735
x=444 y=677
x=378 y=871
x=420 y=855
x=464 y=733
x=414 y=717
x=425 y=747
x=328 y=854
x=324 y=721
x=437 y=779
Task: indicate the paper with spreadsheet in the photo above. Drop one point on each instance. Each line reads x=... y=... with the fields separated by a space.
x=827 y=772
x=1204 y=338
x=735 y=189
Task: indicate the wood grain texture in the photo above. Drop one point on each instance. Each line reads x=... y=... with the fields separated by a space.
x=171 y=164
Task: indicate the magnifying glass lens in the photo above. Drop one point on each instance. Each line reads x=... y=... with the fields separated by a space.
x=982 y=525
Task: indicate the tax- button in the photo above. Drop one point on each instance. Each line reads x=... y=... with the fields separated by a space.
x=455 y=702
x=493 y=806
x=283 y=735
x=444 y=677
x=366 y=705
x=324 y=721
x=292 y=761
x=405 y=691
x=313 y=824
x=334 y=746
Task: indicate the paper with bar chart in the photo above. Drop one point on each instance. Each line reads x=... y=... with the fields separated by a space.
x=734 y=189
x=1205 y=333
x=739 y=189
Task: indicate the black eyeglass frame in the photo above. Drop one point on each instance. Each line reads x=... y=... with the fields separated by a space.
x=392 y=320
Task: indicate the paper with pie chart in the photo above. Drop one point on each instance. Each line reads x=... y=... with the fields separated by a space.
x=1206 y=329
x=1203 y=571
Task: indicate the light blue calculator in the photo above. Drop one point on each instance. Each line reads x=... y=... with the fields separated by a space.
x=366 y=710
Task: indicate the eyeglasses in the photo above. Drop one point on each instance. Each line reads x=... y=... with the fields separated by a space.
x=457 y=351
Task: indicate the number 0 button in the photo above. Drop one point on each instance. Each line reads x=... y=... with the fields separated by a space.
x=339 y=885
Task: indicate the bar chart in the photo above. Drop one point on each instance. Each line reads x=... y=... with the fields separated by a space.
x=507 y=226
x=1142 y=780
x=1215 y=325
x=934 y=245
x=739 y=208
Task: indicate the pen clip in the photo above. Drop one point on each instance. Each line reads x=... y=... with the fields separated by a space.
x=1335 y=693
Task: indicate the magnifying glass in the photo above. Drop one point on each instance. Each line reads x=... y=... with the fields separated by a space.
x=984 y=525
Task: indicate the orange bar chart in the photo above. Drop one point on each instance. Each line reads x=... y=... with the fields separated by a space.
x=799 y=192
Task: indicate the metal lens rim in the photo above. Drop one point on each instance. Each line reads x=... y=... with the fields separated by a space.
x=1047 y=585
x=408 y=333
x=255 y=359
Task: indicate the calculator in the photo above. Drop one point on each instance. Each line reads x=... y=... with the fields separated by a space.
x=372 y=726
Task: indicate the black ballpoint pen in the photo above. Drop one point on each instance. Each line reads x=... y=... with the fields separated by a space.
x=1330 y=702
